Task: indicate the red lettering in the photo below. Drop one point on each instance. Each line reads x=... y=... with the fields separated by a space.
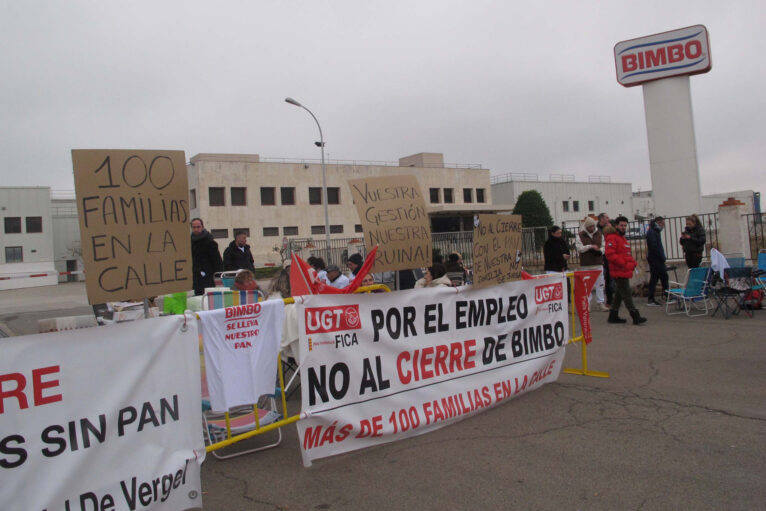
x=675 y=53
x=470 y=351
x=425 y=363
x=18 y=392
x=693 y=49
x=38 y=385
x=629 y=63
x=656 y=57
x=404 y=377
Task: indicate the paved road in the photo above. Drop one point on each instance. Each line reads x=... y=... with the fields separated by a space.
x=681 y=424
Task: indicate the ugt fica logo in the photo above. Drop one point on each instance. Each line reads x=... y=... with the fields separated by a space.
x=332 y=319
x=549 y=293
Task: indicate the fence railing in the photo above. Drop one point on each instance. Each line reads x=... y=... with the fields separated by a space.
x=533 y=239
x=755 y=231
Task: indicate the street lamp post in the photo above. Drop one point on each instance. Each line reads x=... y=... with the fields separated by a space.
x=324 y=176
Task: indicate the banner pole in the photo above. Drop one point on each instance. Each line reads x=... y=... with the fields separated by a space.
x=581 y=339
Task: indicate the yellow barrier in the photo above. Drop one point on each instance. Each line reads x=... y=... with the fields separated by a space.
x=579 y=338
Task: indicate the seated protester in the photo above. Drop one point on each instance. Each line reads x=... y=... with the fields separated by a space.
x=455 y=264
x=354 y=264
x=436 y=276
x=335 y=278
x=319 y=266
x=279 y=287
x=245 y=281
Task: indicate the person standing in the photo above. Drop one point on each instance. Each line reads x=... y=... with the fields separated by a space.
x=655 y=255
x=621 y=266
x=590 y=244
x=237 y=255
x=354 y=263
x=693 y=241
x=206 y=260
x=555 y=251
x=603 y=221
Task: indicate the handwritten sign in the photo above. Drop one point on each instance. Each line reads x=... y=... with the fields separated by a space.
x=134 y=222
x=496 y=249
x=394 y=217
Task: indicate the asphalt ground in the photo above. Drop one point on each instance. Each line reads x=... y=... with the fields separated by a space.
x=680 y=424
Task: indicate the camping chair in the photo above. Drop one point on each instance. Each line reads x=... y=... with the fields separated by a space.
x=218 y=426
x=692 y=295
x=736 y=262
x=457 y=277
x=759 y=274
x=730 y=294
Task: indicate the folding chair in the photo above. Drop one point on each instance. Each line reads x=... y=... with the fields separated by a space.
x=691 y=295
x=219 y=298
x=457 y=277
x=737 y=283
x=759 y=274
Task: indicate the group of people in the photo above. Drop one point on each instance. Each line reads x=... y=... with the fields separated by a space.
x=207 y=261
x=602 y=245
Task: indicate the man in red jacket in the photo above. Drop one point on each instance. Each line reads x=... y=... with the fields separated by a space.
x=621 y=266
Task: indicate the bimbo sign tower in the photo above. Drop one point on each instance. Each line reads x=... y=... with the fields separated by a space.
x=662 y=63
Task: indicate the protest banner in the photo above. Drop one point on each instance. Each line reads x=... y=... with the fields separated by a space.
x=393 y=216
x=380 y=368
x=496 y=249
x=584 y=281
x=102 y=418
x=134 y=222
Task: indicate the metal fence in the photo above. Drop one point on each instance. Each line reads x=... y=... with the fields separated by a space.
x=533 y=239
x=755 y=232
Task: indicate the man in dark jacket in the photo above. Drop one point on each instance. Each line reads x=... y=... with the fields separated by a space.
x=206 y=260
x=237 y=255
x=621 y=266
x=655 y=255
x=555 y=251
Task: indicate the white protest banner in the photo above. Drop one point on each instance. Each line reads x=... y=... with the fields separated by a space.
x=382 y=367
x=102 y=418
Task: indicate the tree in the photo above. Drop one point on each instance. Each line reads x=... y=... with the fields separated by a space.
x=533 y=210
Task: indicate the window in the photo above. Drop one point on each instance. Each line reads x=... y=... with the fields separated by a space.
x=576 y=205
x=216 y=196
x=270 y=231
x=238 y=196
x=448 y=199
x=434 y=193
x=289 y=231
x=565 y=205
x=288 y=195
x=336 y=229
x=317 y=229
x=246 y=230
x=192 y=199
x=591 y=206
x=467 y=195
x=358 y=228
x=13 y=255
x=34 y=224
x=267 y=196
x=219 y=233
x=12 y=225
x=333 y=196
x=480 y=195
x=315 y=195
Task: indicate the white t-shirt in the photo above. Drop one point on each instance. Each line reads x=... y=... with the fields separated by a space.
x=341 y=282
x=241 y=345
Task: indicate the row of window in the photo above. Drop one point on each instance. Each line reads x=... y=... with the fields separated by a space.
x=447 y=195
x=576 y=206
x=33 y=224
x=14 y=255
x=286 y=231
x=238 y=196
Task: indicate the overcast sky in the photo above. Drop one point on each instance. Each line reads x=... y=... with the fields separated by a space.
x=513 y=86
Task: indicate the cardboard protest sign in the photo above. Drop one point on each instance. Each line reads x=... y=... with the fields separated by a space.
x=496 y=249
x=102 y=418
x=393 y=215
x=377 y=368
x=134 y=222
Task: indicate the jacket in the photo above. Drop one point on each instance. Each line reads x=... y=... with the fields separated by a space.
x=442 y=281
x=553 y=252
x=236 y=259
x=621 y=262
x=205 y=259
x=695 y=244
x=588 y=256
x=655 y=252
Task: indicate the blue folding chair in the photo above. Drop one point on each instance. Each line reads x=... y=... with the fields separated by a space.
x=692 y=296
x=759 y=274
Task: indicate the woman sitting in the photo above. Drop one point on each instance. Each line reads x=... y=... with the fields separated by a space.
x=245 y=281
x=436 y=276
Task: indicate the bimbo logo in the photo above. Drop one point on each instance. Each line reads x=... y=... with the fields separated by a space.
x=250 y=309
x=679 y=52
x=549 y=293
x=332 y=319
